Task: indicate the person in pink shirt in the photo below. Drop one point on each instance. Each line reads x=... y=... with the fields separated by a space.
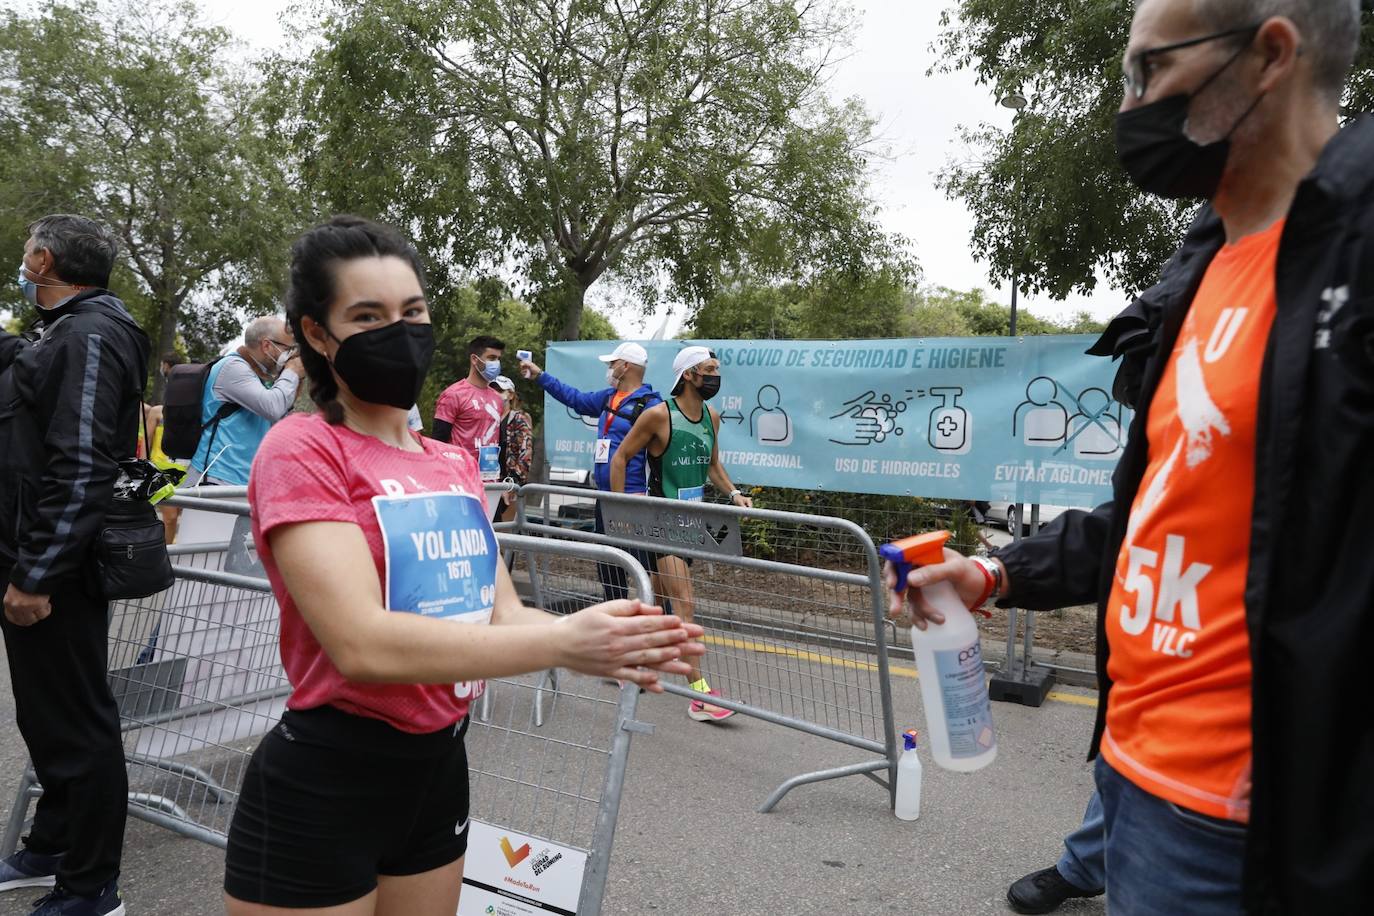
x=469 y=411
x=394 y=609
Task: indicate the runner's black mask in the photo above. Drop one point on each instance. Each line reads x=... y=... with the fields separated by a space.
x=709 y=386
x=387 y=365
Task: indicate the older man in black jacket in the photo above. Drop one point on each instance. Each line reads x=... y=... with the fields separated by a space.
x=69 y=406
x=1232 y=568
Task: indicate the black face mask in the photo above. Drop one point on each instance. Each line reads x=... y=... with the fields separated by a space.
x=708 y=387
x=1161 y=159
x=386 y=365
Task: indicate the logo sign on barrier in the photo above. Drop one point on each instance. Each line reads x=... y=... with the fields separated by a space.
x=674 y=523
x=1021 y=420
x=242 y=556
x=509 y=874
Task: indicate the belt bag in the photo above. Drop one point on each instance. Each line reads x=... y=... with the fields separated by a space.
x=131 y=552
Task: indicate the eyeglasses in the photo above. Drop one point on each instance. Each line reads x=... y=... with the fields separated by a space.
x=284 y=346
x=1138 y=77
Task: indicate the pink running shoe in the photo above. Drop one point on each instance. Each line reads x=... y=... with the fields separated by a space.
x=705 y=712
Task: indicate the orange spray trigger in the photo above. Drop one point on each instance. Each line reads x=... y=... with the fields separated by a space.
x=917 y=550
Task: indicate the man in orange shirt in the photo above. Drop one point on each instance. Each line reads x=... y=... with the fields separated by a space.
x=1231 y=569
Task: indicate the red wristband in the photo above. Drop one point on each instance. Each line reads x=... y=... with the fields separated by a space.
x=987 y=589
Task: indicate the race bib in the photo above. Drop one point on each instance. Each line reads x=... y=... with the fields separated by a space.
x=441 y=555
x=692 y=494
x=603 y=451
x=489 y=462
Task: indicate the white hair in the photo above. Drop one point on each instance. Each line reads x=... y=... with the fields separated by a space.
x=260 y=329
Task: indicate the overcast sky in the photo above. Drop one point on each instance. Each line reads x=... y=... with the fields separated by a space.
x=918 y=115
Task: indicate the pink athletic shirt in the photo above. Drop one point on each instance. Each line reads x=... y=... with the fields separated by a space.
x=308 y=470
x=475 y=415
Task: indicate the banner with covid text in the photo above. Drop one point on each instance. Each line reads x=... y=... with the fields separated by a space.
x=1017 y=420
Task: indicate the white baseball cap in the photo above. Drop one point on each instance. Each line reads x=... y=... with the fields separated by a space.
x=688 y=358
x=503 y=383
x=631 y=353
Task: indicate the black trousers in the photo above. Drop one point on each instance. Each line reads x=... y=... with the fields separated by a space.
x=614 y=583
x=70 y=723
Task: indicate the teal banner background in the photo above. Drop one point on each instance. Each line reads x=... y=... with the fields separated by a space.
x=1016 y=420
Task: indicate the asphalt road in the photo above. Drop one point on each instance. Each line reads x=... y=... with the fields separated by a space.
x=690 y=839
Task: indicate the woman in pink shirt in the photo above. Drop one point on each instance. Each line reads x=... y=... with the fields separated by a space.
x=394 y=608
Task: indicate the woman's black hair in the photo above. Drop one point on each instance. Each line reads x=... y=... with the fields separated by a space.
x=314 y=257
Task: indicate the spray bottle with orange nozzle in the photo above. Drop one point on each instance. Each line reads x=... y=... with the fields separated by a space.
x=949 y=659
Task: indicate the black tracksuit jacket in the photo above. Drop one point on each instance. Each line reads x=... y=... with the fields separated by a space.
x=1309 y=595
x=69 y=412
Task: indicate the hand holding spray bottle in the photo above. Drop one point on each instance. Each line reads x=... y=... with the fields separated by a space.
x=949 y=659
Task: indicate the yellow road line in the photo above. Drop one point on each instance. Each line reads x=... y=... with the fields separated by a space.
x=895 y=670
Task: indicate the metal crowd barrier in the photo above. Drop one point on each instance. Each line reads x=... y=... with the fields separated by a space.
x=548 y=758
x=797 y=646
x=197 y=676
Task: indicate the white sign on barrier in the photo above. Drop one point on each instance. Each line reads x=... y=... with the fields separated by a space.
x=510 y=874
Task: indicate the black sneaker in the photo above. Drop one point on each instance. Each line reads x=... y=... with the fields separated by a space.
x=62 y=902
x=28 y=869
x=1043 y=891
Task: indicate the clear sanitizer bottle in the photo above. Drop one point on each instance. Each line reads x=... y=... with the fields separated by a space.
x=908 y=806
x=949 y=660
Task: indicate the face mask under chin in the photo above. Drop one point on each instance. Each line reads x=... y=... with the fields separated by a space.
x=30 y=287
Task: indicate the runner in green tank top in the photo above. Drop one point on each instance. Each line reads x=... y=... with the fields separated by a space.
x=681 y=436
x=680 y=472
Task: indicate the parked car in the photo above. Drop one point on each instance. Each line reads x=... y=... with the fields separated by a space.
x=1007 y=515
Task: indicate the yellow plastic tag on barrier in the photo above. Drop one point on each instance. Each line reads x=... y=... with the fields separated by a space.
x=162 y=494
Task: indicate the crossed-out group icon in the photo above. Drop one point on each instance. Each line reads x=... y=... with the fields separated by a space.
x=1042 y=420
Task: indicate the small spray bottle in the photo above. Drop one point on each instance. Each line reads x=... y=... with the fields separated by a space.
x=949 y=659
x=908 y=806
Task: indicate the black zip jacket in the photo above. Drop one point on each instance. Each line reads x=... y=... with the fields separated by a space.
x=69 y=412
x=1309 y=595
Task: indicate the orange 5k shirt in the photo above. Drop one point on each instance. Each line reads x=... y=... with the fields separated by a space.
x=1178 y=716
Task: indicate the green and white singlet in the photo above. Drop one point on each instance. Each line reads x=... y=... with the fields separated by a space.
x=680 y=472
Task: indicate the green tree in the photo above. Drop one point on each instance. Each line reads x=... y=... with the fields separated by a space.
x=1049 y=199
x=878 y=307
x=831 y=305
x=656 y=141
x=742 y=310
x=941 y=312
x=135 y=115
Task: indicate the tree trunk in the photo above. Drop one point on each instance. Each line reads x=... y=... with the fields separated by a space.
x=574 y=301
x=166 y=342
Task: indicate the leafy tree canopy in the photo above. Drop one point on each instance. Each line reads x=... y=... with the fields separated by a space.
x=879 y=308
x=133 y=114
x=1049 y=199
x=657 y=141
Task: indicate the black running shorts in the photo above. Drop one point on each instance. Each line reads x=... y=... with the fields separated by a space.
x=331 y=800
